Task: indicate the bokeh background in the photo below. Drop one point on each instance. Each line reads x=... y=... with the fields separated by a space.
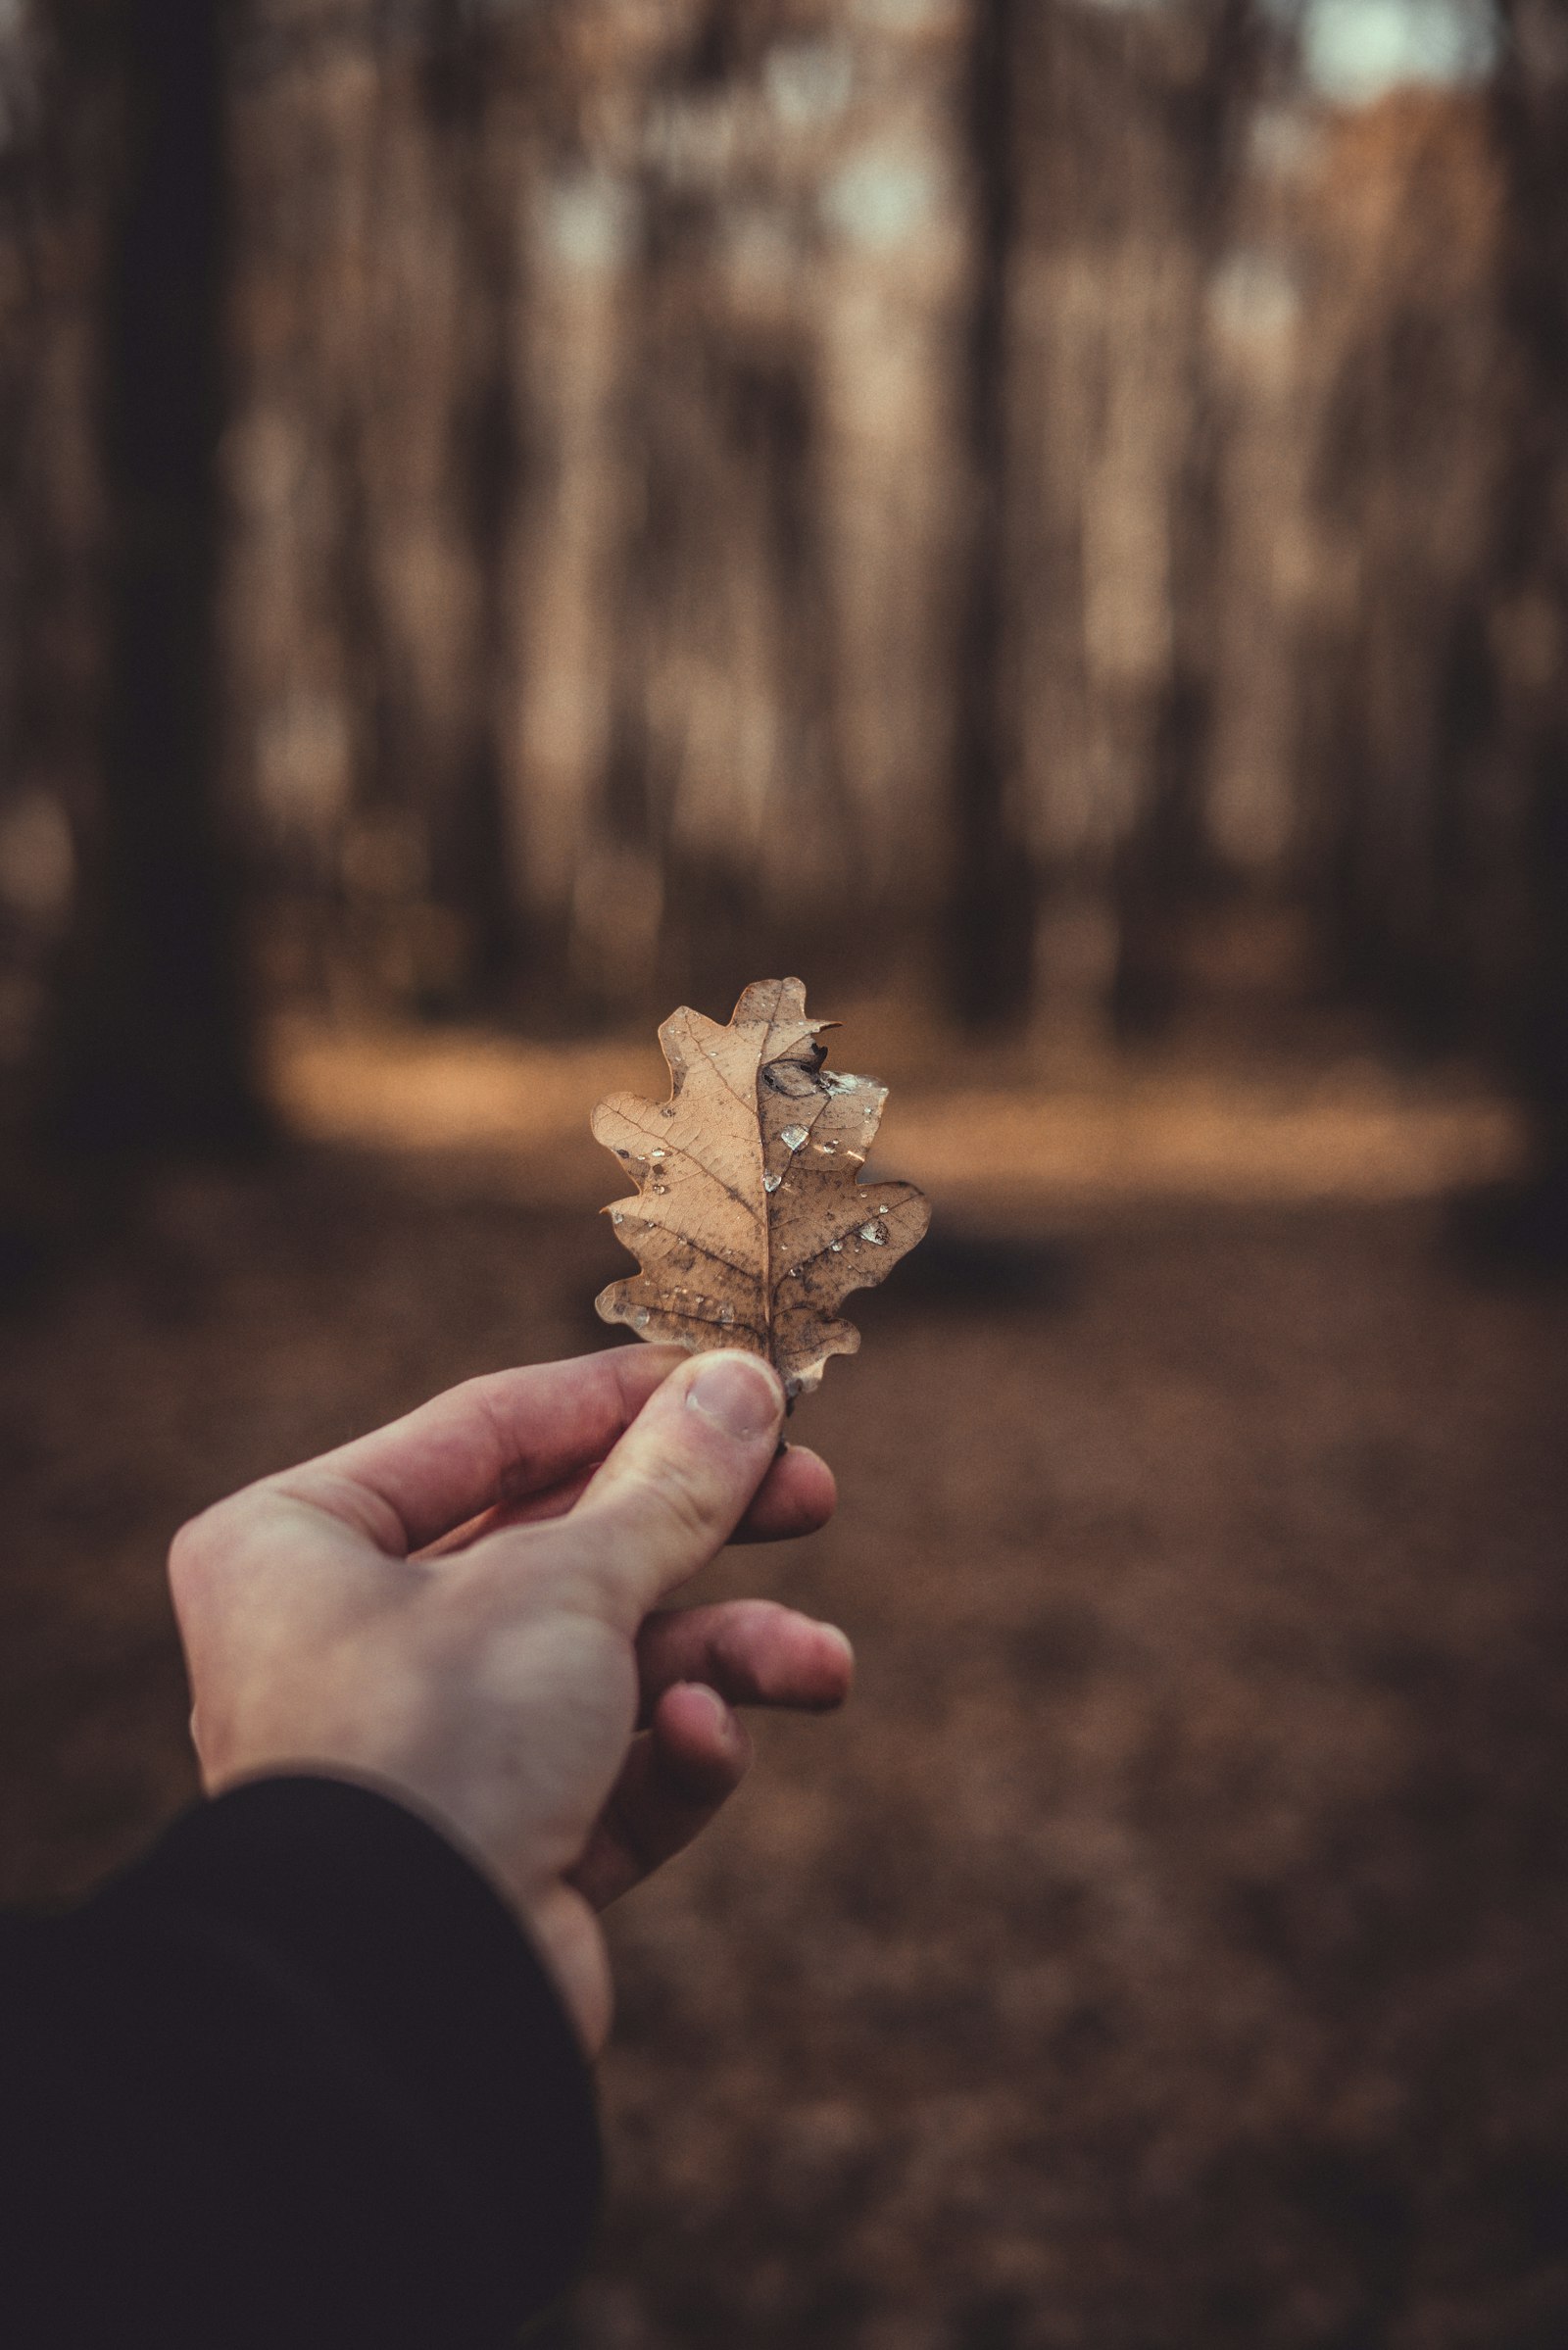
x=1049 y=519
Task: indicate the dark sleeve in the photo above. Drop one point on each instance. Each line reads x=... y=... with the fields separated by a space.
x=296 y=2077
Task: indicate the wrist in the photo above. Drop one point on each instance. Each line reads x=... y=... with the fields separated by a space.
x=565 y=1934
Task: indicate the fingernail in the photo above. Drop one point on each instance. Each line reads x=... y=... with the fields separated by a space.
x=738 y=1392
x=843 y=1639
x=713 y=1705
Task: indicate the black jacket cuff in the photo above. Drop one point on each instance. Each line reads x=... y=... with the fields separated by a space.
x=330 y=2089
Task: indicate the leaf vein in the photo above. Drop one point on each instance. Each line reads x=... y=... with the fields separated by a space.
x=683 y=1150
x=722 y=1074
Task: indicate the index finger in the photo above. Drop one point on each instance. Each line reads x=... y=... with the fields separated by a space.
x=797 y=1494
x=493 y=1440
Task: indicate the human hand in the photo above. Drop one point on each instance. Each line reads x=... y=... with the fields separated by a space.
x=464 y=1609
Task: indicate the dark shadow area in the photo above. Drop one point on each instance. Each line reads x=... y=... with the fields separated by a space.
x=967 y=1268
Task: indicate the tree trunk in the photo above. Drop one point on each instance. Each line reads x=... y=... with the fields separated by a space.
x=991 y=902
x=1163 y=863
x=1531 y=112
x=472 y=869
x=153 y=1047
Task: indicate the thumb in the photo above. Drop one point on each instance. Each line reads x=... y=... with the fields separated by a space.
x=673 y=1490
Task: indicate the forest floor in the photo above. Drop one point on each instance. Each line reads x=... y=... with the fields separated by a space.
x=1164 y=1951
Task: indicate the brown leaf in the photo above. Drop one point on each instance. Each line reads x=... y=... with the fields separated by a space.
x=750 y=1222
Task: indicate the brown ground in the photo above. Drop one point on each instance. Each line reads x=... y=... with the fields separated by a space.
x=1164 y=1953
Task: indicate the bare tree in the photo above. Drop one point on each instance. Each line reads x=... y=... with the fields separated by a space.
x=991 y=898
x=153 y=1049
x=473 y=71
x=725 y=556
x=1531 y=122
x=1398 y=684
x=1204 y=91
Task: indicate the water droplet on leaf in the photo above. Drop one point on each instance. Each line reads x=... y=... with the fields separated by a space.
x=765 y=1068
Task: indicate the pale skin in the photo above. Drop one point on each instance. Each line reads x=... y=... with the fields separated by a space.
x=466 y=1609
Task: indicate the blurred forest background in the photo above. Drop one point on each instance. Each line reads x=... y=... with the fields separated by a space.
x=1049 y=519
x=528 y=512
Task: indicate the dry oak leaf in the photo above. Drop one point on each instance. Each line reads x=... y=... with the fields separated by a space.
x=749 y=1221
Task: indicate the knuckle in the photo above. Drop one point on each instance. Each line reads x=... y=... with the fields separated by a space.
x=681 y=1506
x=191 y=1551
x=487 y=1391
x=210 y=1548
